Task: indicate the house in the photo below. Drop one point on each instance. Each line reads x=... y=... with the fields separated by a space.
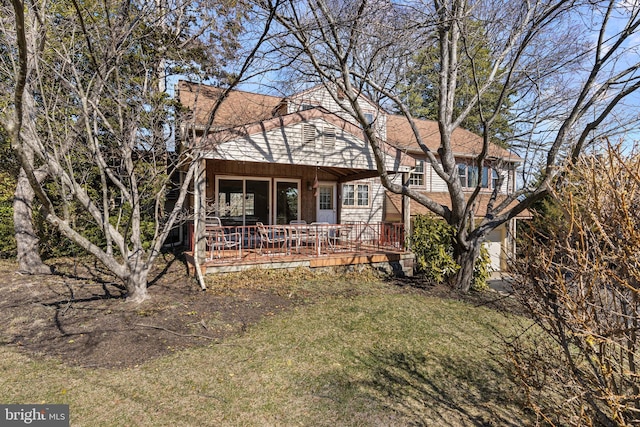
x=271 y=161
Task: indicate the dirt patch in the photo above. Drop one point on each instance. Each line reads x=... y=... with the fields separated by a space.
x=80 y=316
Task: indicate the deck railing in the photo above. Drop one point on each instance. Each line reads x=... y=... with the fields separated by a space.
x=228 y=243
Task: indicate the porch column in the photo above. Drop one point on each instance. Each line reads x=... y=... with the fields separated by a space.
x=406 y=209
x=200 y=212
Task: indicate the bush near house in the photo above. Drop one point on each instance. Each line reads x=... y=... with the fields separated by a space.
x=432 y=241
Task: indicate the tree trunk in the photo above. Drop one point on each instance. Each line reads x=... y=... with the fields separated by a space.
x=466 y=259
x=27 y=242
x=136 y=281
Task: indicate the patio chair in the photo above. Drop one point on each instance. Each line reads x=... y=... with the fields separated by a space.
x=270 y=239
x=318 y=235
x=219 y=241
x=343 y=239
x=213 y=221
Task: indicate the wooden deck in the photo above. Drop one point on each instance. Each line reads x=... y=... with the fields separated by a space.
x=243 y=248
x=398 y=262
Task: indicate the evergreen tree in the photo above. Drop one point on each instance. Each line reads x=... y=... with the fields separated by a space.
x=422 y=87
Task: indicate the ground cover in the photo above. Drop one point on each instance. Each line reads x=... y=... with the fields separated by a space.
x=265 y=348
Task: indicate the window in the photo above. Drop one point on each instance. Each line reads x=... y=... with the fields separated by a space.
x=362 y=193
x=417 y=176
x=355 y=195
x=495 y=178
x=470 y=176
x=304 y=107
x=485 y=177
x=348 y=195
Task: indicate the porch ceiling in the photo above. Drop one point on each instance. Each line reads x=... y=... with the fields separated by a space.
x=347 y=174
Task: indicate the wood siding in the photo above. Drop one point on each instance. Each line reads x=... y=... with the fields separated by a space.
x=372 y=213
x=286 y=146
x=320 y=96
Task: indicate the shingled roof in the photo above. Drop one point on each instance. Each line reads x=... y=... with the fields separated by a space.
x=464 y=142
x=241 y=108
x=238 y=108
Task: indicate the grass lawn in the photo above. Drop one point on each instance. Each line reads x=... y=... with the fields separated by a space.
x=378 y=356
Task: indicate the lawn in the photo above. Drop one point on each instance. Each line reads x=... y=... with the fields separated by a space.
x=350 y=352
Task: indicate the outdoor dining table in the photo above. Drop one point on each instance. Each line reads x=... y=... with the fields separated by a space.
x=318 y=234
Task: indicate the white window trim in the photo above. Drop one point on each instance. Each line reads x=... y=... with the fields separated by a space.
x=355 y=204
x=422 y=173
x=274 y=201
x=468 y=164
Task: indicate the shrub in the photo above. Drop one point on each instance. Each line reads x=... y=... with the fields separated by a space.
x=432 y=243
x=482 y=271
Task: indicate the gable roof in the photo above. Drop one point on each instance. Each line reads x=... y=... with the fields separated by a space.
x=244 y=113
x=464 y=143
x=321 y=87
x=293 y=118
x=239 y=107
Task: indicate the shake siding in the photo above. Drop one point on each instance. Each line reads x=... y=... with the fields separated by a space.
x=321 y=97
x=285 y=146
x=372 y=213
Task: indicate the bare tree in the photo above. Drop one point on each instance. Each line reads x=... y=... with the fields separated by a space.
x=89 y=108
x=27 y=241
x=579 y=278
x=568 y=66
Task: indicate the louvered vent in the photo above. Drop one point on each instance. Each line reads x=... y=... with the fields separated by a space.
x=329 y=140
x=308 y=134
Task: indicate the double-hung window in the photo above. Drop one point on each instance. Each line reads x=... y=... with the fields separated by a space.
x=470 y=176
x=356 y=195
x=495 y=178
x=417 y=175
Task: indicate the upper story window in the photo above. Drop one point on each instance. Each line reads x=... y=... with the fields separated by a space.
x=417 y=175
x=469 y=175
x=304 y=107
x=355 y=195
x=368 y=117
x=495 y=178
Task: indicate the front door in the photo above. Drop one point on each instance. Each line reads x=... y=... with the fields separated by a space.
x=326 y=205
